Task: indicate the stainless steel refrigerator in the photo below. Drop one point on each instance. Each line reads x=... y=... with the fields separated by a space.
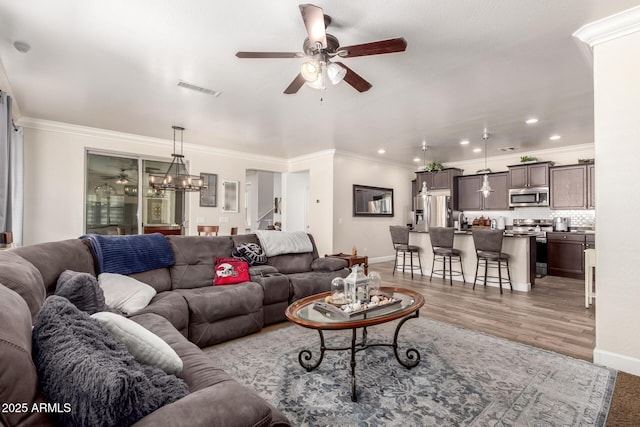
x=432 y=209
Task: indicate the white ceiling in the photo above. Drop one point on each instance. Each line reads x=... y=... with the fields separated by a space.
x=469 y=64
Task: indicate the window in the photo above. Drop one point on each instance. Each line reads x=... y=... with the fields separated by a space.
x=117 y=194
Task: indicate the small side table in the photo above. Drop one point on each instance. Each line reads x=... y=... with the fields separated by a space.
x=353 y=260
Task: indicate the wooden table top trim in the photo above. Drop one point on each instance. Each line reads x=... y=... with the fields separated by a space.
x=290 y=313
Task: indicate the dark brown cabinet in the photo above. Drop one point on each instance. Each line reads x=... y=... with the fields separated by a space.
x=437 y=180
x=531 y=175
x=565 y=253
x=468 y=197
x=572 y=187
x=591 y=184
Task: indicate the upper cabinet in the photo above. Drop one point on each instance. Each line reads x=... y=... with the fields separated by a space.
x=572 y=186
x=469 y=198
x=437 y=180
x=529 y=175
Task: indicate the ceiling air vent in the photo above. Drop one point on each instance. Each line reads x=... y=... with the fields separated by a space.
x=191 y=86
x=507 y=148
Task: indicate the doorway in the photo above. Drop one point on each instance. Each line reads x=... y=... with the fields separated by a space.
x=263 y=197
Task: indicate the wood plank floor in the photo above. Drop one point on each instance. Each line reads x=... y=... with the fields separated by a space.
x=551 y=317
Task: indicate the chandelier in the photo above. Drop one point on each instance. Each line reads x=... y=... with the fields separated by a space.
x=486 y=189
x=177 y=177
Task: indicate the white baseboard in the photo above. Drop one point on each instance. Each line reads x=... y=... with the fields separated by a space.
x=617 y=361
x=381 y=259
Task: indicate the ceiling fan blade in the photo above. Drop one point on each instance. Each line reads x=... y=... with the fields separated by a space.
x=354 y=79
x=265 y=55
x=313 y=18
x=373 y=48
x=295 y=85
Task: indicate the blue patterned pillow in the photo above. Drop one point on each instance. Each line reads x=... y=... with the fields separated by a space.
x=250 y=252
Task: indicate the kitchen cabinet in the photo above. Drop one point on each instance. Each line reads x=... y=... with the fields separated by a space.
x=468 y=197
x=529 y=175
x=565 y=253
x=572 y=187
x=437 y=180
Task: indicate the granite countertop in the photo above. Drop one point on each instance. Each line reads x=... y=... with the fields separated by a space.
x=507 y=233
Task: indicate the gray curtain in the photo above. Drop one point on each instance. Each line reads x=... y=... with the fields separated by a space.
x=11 y=172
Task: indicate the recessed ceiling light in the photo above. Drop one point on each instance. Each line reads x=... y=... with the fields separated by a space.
x=555 y=137
x=531 y=121
x=416 y=159
x=381 y=151
x=464 y=142
x=477 y=150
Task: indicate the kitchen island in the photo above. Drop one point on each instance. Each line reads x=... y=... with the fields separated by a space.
x=521 y=249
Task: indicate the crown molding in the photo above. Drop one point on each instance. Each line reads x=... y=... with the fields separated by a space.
x=91 y=132
x=318 y=155
x=610 y=28
x=383 y=161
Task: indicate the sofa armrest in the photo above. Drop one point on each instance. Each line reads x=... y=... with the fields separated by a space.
x=173 y=307
x=328 y=264
x=226 y=404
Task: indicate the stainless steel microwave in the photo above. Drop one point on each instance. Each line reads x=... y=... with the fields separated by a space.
x=521 y=197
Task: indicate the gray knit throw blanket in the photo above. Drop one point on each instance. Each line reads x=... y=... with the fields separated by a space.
x=79 y=363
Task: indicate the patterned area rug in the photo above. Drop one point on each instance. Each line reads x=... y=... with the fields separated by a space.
x=464 y=378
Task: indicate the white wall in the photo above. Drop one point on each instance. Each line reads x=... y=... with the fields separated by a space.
x=296 y=201
x=617 y=136
x=370 y=235
x=55 y=167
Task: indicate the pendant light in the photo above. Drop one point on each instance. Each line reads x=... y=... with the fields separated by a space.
x=486 y=188
x=424 y=190
x=177 y=177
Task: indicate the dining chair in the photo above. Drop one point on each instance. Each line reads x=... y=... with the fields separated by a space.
x=208 y=230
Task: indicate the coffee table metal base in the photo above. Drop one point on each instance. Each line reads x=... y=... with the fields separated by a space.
x=412 y=355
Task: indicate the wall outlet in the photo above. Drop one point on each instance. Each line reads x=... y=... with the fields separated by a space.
x=199 y=220
x=224 y=219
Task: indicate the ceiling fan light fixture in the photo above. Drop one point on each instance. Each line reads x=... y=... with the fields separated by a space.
x=335 y=73
x=311 y=70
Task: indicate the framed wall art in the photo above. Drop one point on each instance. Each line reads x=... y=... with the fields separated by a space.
x=230 y=196
x=209 y=194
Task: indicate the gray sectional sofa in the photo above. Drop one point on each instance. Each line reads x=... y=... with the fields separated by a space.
x=187 y=312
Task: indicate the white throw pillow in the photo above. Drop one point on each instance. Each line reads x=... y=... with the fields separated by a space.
x=125 y=293
x=145 y=346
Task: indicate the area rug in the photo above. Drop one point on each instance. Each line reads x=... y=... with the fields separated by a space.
x=464 y=378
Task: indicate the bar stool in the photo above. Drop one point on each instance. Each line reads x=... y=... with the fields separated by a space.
x=400 y=240
x=442 y=245
x=234 y=231
x=488 y=244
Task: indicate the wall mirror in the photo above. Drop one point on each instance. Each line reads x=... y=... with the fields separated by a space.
x=209 y=192
x=230 y=194
x=372 y=201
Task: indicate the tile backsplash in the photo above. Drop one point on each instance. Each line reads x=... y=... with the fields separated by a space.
x=578 y=218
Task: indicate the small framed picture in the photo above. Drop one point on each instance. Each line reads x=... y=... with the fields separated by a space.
x=230 y=189
x=208 y=194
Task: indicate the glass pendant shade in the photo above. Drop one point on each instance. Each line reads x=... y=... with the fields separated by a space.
x=177 y=177
x=486 y=188
x=311 y=70
x=318 y=83
x=336 y=73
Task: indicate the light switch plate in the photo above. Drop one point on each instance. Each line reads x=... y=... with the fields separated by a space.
x=224 y=219
x=199 y=220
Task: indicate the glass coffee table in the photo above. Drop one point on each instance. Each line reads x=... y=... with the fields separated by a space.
x=310 y=313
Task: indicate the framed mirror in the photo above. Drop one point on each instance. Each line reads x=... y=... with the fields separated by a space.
x=230 y=194
x=372 y=201
x=209 y=192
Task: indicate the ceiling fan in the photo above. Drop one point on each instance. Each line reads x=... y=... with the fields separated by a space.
x=121 y=178
x=320 y=47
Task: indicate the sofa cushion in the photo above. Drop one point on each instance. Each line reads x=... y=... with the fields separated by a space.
x=250 y=252
x=82 y=290
x=328 y=264
x=18 y=378
x=230 y=271
x=52 y=258
x=125 y=293
x=195 y=259
x=145 y=346
x=159 y=279
x=171 y=306
x=21 y=276
x=261 y=270
x=305 y=284
x=80 y=364
x=292 y=263
x=220 y=313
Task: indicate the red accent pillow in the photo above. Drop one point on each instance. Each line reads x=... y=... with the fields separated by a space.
x=229 y=271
